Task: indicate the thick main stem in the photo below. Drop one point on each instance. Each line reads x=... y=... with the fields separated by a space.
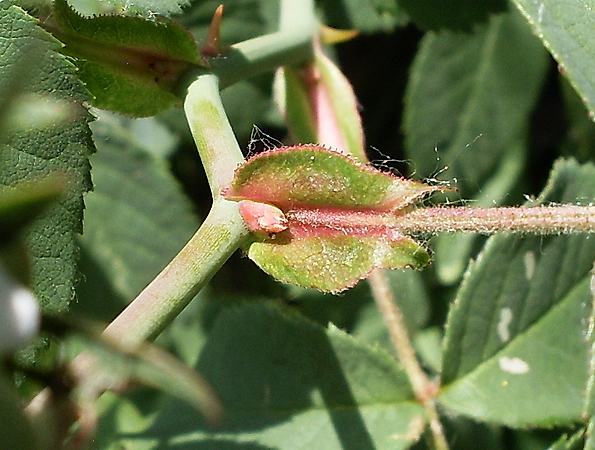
x=163 y=299
x=218 y=237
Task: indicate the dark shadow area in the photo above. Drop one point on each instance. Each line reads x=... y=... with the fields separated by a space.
x=269 y=369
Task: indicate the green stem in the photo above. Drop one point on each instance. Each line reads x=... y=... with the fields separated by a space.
x=223 y=231
x=162 y=300
x=423 y=388
x=212 y=132
x=218 y=237
x=292 y=44
x=564 y=219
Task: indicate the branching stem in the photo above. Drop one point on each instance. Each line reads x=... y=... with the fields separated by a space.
x=292 y=44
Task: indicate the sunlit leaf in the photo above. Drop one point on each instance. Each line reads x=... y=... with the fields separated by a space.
x=518 y=328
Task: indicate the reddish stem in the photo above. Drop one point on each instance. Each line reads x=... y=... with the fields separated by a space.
x=442 y=219
x=535 y=220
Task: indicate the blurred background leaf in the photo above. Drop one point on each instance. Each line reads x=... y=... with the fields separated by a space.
x=137 y=217
x=467 y=107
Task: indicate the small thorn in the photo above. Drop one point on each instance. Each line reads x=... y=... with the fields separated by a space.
x=213 y=46
x=330 y=35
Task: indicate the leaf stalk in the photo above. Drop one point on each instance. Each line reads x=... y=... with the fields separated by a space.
x=424 y=389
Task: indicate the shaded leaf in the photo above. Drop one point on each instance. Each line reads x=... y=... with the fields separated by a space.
x=467 y=108
x=137 y=219
x=470 y=97
x=131 y=65
x=515 y=350
x=368 y=17
x=446 y=14
x=35 y=153
x=276 y=373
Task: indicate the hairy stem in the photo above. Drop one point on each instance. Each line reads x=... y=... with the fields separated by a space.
x=423 y=388
x=444 y=219
x=535 y=220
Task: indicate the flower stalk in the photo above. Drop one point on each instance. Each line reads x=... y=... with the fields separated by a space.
x=540 y=220
x=566 y=219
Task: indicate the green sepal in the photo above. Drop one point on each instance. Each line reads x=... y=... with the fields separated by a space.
x=335 y=263
x=312 y=176
x=338 y=222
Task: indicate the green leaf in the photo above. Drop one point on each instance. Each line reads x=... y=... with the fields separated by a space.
x=333 y=225
x=35 y=153
x=149 y=8
x=21 y=204
x=369 y=16
x=136 y=220
x=446 y=14
x=470 y=97
x=16 y=431
x=565 y=28
x=277 y=373
x=515 y=350
x=131 y=65
x=467 y=109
